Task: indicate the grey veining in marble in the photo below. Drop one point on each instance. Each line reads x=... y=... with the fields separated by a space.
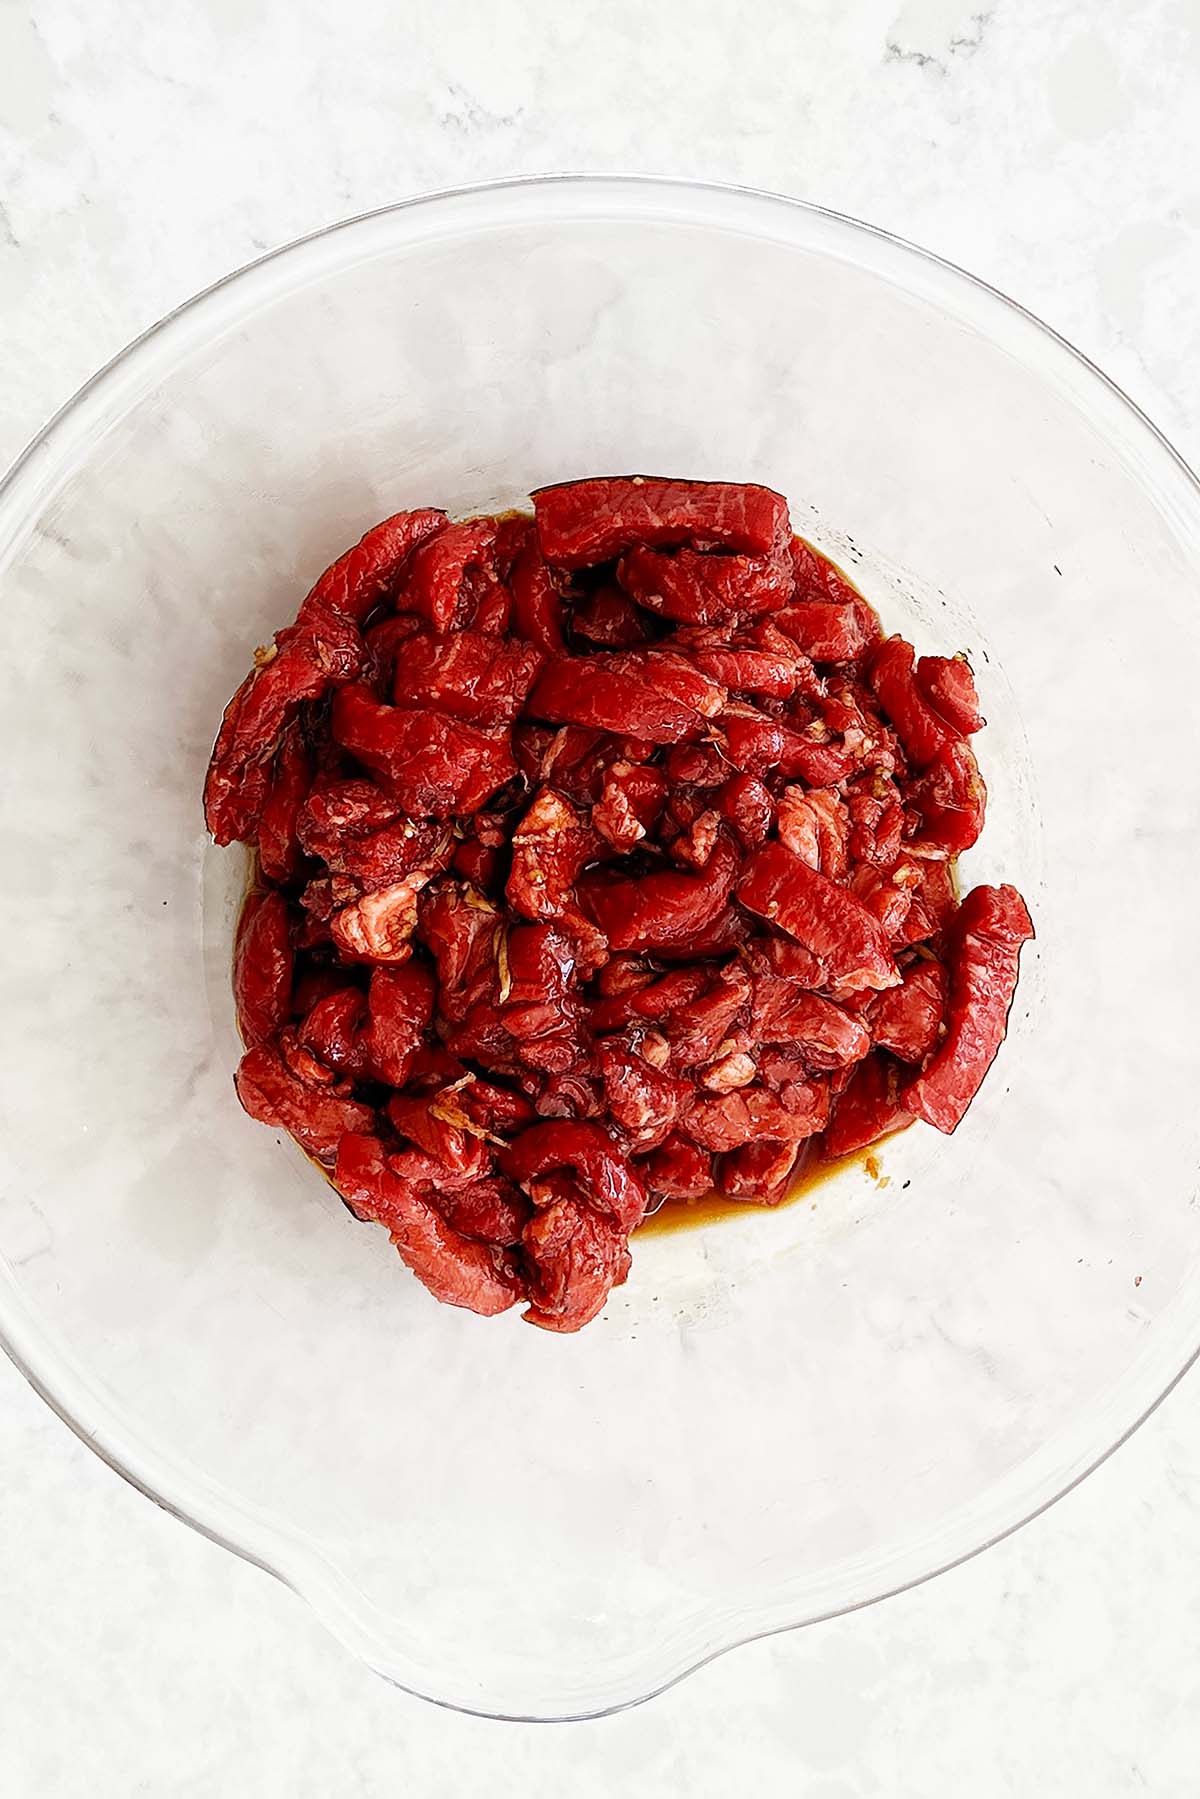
x=1051 y=150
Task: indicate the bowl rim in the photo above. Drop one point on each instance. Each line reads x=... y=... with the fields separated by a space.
x=298 y=1567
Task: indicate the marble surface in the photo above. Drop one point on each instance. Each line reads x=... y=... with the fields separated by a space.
x=1052 y=150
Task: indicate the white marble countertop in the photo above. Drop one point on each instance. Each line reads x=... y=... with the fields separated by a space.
x=1054 y=150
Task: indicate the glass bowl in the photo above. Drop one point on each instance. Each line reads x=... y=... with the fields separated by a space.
x=783 y=1415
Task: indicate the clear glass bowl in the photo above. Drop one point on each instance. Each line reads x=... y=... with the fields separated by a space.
x=782 y=1415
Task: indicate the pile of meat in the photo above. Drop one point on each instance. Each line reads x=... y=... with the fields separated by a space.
x=605 y=858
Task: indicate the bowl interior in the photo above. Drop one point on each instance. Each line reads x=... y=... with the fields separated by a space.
x=781 y=1414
